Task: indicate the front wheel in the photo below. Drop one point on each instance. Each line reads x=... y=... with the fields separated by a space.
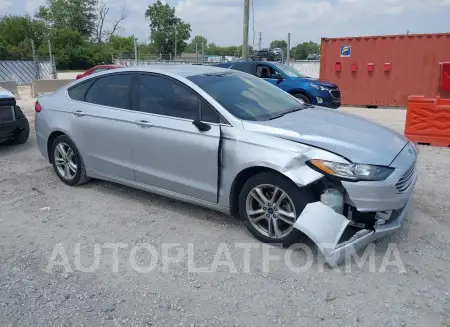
x=303 y=98
x=270 y=204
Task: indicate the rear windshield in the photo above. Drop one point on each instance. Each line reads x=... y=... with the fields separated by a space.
x=245 y=96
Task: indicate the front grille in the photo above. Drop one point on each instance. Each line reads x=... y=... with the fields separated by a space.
x=6 y=114
x=336 y=94
x=407 y=178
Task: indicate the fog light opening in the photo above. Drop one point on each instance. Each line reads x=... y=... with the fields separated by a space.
x=334 y=199
x=381 y=217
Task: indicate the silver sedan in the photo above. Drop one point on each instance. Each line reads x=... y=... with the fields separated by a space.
x=231 y=142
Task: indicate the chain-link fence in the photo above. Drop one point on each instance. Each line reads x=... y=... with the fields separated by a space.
x=309 y=68
x=188 y=58
x=24 y=71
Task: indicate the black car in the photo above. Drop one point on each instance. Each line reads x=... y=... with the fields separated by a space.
x=14 y=127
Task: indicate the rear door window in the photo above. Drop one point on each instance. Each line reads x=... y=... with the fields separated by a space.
x=112 y=91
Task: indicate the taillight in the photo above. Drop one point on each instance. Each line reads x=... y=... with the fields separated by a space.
x=37 y=107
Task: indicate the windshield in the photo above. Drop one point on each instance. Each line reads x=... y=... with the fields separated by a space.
x=289 y=71
x=245 y=96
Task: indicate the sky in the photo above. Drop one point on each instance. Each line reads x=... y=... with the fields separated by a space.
x=221 y=21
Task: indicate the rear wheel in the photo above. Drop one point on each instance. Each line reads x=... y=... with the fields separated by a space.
x=303 y=97
x=270 y=204
x=23 y=135
x=67 y=161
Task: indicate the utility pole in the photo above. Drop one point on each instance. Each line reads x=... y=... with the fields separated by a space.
x=135 y=51
x=259 y=42
x=196 y=53
x=245 y=30
x=35 y=59
x=288 y=55
x=52 y=59
x=203 y=53
x=175 y=44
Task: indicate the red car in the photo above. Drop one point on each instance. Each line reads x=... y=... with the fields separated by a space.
x=98 y=68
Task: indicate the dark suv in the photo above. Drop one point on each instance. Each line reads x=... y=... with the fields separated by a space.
x=14 y=127
x=266 y=54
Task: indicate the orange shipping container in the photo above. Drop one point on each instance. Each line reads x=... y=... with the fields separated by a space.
x=385 y=70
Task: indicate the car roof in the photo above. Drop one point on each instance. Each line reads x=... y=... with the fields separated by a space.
x=184 y=70
x=250 y=62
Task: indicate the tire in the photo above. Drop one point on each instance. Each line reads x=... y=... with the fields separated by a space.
x=74 y=178
x=302 y=97
x=298 y=197
x=23 y=135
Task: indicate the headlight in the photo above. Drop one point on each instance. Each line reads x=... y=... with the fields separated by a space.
x=319 y=87
x=351 y=171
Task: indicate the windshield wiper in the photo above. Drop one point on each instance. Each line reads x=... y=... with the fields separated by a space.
x=290 y=111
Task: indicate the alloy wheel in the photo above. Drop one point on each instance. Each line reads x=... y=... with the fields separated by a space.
x=65 y=161
x=271 y=211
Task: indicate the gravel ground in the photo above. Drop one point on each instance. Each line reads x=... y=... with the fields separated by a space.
x=38 y=212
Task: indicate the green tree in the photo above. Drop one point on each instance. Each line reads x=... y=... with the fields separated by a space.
x=16 y=33
x=302 y=50
x=250 y=50
x=146 y=50
x=78 y=15
x=121 y=46
x=199 y=40
x=166 y=27
x=282 y=44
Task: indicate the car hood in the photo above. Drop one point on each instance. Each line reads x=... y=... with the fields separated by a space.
x=349 y=136
x=314 y=81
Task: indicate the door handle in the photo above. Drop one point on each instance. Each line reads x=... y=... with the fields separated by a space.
x=79 y=113
x=143 y=123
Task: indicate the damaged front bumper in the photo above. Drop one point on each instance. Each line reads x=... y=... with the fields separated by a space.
x=329 y=231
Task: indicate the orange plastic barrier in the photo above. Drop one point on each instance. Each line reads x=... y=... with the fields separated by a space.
x=428 y=121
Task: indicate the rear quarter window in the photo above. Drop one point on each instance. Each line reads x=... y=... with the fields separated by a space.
x=78 y=92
